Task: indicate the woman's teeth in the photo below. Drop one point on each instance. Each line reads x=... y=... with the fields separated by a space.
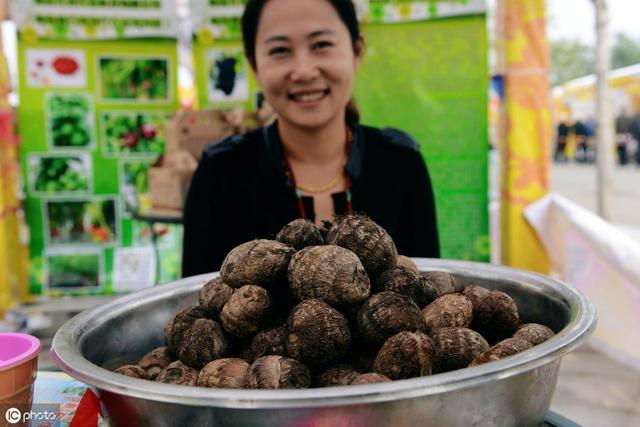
x=309 y=97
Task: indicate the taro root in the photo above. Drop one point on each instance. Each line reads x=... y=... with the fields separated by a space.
x=407 y=282
x=133 y=371
x=387 y=313
x=370 y=242
x=407 y=355
x=316 y=333
x=475 y=294
x=457 y=347
x=504 y=348
x=336 y=376
x=223 y=373
x=268 y=342
x=496 y=317
x=451 y=310
x=369 y=378
x=299 y=234
x=275 y=372
x=262 y=262
x=155 y=361
x=177 y=326
x=201 y=343
x=245 y=312
x=214 y=294
x=443 y=281
x=329 y=272
x=405 y=261
x=178 y=373
x=535 y=333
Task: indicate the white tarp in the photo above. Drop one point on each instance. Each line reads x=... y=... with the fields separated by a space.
x=601 y=261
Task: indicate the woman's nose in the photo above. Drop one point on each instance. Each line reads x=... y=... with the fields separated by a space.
x=304 y=68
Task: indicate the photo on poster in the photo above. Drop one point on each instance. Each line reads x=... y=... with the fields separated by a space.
x=227 y=75
x=134 y=182
x=74 y=271
x=134 y=78
x=59 y=174
x=133 y=134
x=133 y=269
x=168 y=235
x=56 y=68
x=76 y=222
x=69 y=121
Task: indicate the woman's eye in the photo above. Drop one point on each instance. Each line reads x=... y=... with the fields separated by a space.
x=322 y=45
x=280 y=50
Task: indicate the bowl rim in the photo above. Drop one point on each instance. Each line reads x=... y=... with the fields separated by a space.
x=66 y=354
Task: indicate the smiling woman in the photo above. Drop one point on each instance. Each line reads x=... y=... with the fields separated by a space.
x=316 y=160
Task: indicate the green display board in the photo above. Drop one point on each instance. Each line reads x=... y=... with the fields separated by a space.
x=91 y=119
x=424 y=71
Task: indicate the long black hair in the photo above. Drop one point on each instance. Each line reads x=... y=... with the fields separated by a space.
x=346 y=11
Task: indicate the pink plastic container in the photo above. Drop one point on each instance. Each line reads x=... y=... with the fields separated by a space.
x=18 y=367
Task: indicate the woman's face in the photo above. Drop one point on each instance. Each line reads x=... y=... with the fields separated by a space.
x=305 y=61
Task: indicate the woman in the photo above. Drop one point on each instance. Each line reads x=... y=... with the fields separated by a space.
x=315 y=160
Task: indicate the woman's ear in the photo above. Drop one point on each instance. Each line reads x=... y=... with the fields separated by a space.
x=358 y=49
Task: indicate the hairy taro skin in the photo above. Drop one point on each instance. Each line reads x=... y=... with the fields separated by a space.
x=451 y=310
x=475 y=294
x=535 y=333
x=277 y=372
x=246 y=310
x=179 y=324
x=407 y=282
x=268 y=342
x=443 y=281
x=262 y=262
x=387 y=313
x=406 y=262
x=457 y=347
x=407 y=355
x=299 y=234
x=215 y=294
x=338 y=375
x=133 y=371
x=223 y=373
x=503 y=349
x=178 y=373
x=155 y=361
x=368 y=240
x=369 y=378
x=496 y=317
x=316 y=333
x=203 y=342
x=331 y=273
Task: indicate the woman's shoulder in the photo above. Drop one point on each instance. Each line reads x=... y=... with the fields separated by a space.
x=234 y=146
x=390 y=139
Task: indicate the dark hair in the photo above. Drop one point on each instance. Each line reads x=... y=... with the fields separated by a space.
x=251 y=19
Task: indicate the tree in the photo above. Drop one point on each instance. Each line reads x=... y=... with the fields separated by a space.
x=626 y=51
x=570 y=59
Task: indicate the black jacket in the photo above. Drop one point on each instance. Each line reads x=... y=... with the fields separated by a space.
x=240 y=192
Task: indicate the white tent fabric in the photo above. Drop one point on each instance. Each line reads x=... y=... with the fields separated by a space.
x=601 y=261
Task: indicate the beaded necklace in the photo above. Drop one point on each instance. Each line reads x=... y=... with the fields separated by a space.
x=347 y=179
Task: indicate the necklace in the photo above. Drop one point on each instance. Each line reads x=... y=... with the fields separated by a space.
x=299 y=188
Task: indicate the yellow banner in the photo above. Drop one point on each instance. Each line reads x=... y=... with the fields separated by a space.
x=526 y=127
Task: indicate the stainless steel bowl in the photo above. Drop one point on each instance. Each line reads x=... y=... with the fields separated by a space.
x=515 y=391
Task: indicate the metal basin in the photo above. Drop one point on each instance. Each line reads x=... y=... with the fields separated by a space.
x=515 y=391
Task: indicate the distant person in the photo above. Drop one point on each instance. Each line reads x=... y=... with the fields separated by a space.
x=581 y=133
x=623 y=136
x=561 y=142
x=590 y=124
x=635 y=132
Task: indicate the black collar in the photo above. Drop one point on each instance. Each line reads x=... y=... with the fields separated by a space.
x=273 y=146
